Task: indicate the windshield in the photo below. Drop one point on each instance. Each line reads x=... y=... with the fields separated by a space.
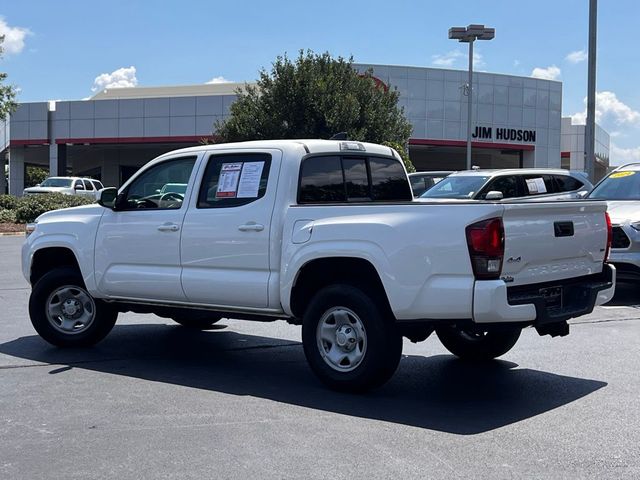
x=57 y=182
x=623 y=185
x=462 y=186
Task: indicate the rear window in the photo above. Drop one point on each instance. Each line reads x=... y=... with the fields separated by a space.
x=568 y=184
x=325 y=179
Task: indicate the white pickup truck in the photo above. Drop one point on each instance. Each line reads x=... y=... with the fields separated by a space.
x=319 y=233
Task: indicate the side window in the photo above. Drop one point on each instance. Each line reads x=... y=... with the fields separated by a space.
x=160 y=187
x=508 y=185
x=321 y=180
x=538 y=184
x=87 y=185
x=567 y=184
x=388 y=180
x=234 y=180
x=97 y=184
x=78 y=185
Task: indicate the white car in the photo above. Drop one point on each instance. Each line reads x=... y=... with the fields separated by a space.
x=323 y=234
x=528 y=184
x=621 y=190
x=87 y=187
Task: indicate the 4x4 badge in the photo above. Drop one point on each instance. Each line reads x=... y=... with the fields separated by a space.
x=514 y=260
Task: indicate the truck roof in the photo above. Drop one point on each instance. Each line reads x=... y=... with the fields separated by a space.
x=310 y=145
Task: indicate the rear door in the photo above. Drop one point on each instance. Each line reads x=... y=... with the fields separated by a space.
x=225 y=245
x=553 y=241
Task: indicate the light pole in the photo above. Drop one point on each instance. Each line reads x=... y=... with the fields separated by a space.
x=469 y=35
x=590 y=127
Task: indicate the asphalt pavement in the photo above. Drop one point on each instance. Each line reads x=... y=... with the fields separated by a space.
x=155 y=400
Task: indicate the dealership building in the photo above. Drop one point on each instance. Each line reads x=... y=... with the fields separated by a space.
x=517 y=122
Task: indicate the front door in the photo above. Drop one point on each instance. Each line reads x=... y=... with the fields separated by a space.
x=137 y=253
x=226 y=232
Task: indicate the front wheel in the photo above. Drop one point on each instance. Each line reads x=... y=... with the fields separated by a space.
x=478 y=344
x=348 y=342
x=65 y=314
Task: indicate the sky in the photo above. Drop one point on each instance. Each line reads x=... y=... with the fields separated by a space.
x=65 y=50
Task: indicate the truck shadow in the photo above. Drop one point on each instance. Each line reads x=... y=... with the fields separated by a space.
x=438 y=393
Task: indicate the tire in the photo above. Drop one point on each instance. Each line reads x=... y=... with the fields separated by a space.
x=196 y=320
x=63 y=312
x=478 y=345
x=371 y=344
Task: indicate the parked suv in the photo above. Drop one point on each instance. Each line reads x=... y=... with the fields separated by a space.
x=526 y=184
x=621 y=190
x=87 y=187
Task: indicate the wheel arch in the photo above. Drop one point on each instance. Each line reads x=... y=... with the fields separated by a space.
x=47 y=258
x=324 y=271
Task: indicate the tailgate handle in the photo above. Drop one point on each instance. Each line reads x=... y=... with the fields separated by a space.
x=563 y=229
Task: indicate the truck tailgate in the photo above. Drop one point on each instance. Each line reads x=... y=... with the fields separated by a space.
x=545 y=242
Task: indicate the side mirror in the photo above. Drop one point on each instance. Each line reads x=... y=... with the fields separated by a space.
x=107 y=197
x=37 y=184
x=78 y=187
x=582 y=194
x=494 y=195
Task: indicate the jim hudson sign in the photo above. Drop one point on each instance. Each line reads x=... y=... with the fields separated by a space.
x=500 y=133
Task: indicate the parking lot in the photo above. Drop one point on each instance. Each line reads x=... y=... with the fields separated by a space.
x=155 y=400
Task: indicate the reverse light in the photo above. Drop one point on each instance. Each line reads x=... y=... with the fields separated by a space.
x=485 y=240
x=609 y=236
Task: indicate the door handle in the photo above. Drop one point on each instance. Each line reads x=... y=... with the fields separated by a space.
x=168 y=227
x=251 y=227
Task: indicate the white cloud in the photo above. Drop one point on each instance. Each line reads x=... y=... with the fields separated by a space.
x=451 y=58
x=219 y=80
x=549 y=73
x=609 y=107
x=620 y=156
x=120 y=78
x=447 y=59
x=577 y=56
x=13 y=37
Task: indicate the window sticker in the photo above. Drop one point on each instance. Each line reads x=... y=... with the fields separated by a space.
x=228 y=181
x=250 y=180
x=536 y=185
x=621 y=174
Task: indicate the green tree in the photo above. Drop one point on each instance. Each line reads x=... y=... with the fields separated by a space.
x=7 y=92
x=34 y=175
x=315 y=96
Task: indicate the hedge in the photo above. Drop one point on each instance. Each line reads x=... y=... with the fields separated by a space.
x=27 y=209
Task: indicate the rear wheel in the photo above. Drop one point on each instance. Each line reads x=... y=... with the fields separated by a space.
x=349 y=344
x=65 y=314
x=478 y=344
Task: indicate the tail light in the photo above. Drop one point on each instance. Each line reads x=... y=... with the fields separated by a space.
x=485 y=240
x=609 y=236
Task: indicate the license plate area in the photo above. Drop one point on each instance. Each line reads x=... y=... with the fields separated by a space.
x=552 y=297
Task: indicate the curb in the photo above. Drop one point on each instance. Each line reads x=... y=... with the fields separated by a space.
x=11 y=234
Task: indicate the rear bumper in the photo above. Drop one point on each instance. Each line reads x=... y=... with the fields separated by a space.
x=494 y=302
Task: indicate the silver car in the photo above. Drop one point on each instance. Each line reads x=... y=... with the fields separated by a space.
x=621 y=190
x=525 y=184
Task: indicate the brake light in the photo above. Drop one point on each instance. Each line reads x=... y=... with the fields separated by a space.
x=485 y=240
x=609 y=236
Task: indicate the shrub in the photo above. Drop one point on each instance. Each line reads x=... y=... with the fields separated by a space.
x=8 y=202
x=32 y=206
x=7 y=216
